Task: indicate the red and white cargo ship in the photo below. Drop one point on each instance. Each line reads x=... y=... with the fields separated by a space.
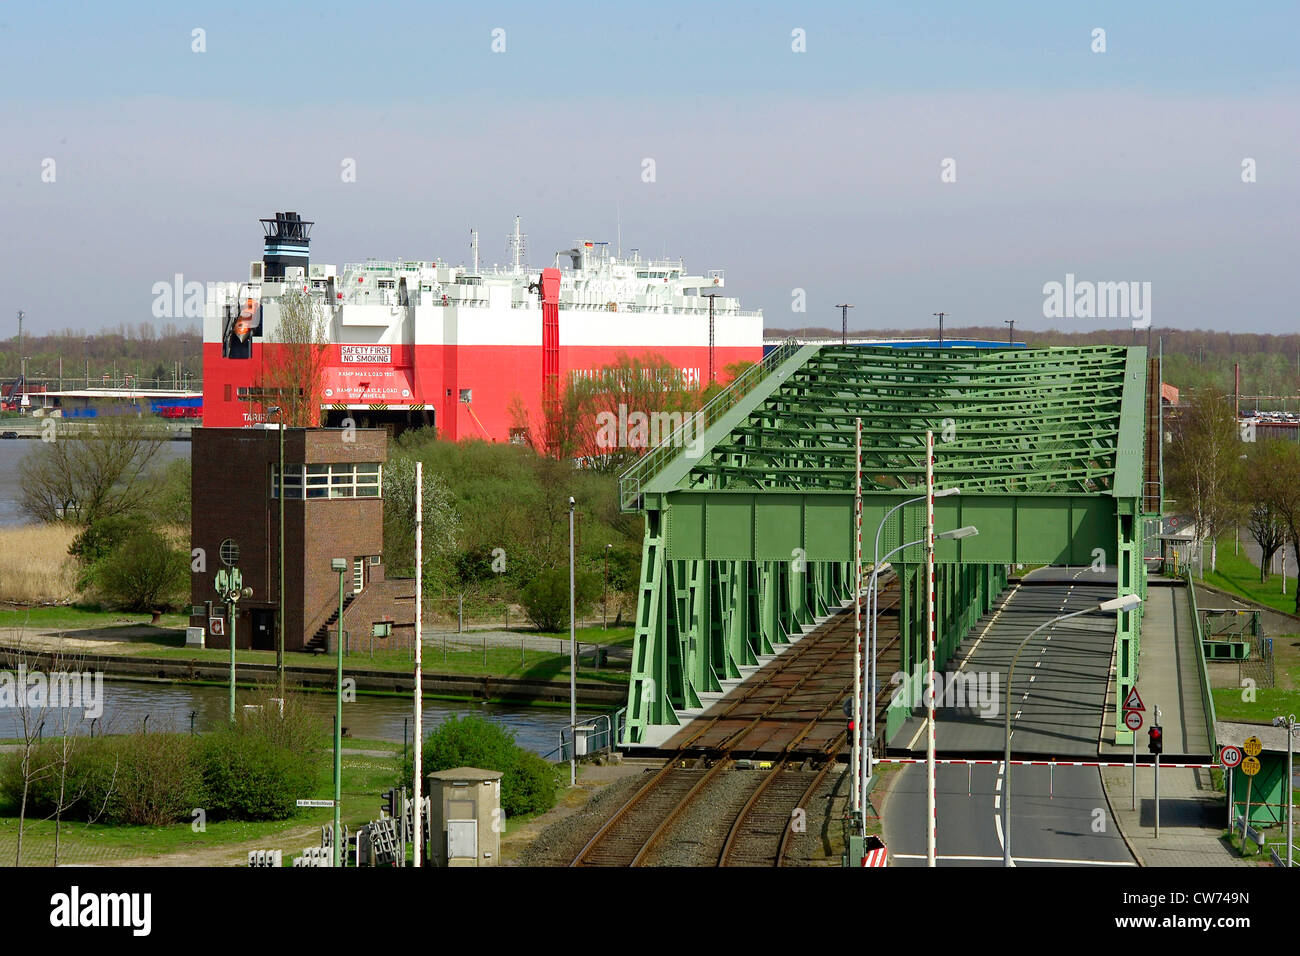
x=465 y=349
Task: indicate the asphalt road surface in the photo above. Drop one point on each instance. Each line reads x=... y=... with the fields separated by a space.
x=1060 y=684
x=1059 y=818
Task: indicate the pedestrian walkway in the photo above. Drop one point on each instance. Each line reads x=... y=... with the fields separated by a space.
x=1168 y=677
x=1193 y=817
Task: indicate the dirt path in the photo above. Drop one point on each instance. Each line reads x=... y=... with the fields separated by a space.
x=291 y=842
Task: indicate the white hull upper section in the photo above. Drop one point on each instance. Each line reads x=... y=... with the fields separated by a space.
x=604 y=302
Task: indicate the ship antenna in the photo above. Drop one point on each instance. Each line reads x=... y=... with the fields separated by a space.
x=618 y=215
x=473 y=244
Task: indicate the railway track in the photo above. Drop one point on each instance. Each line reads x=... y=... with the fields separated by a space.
x=759 y=833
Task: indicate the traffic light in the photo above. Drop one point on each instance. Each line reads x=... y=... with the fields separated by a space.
x=389 y=805
x=1155 y=739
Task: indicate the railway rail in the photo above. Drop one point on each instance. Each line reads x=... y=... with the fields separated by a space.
x=791 y=700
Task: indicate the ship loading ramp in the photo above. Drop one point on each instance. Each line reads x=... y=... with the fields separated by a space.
x=749 y=508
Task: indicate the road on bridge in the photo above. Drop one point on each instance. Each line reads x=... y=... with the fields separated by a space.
x=1072 y=827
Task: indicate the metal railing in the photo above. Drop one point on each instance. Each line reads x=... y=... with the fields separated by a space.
x=1198 y=639
x=657 y=458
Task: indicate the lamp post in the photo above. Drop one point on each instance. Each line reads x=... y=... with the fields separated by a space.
x=573 y=666
x=340 y=565
x=1120 y=605
x=872 y=598
x=1289 y=723
x=604 y=601
x=953 y=535
x=278 y=411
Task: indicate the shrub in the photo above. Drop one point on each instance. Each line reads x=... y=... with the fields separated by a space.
x=528 y=783
x=144 y=572
x=546 y=597
x=258 y=767
x=155 y=778
x=137 y=779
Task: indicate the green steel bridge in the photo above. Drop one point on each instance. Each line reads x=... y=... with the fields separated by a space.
x=749 y=506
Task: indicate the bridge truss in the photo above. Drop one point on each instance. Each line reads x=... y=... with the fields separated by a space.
x=749 y=506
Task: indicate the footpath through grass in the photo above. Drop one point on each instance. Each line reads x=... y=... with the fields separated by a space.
x=1237 y=574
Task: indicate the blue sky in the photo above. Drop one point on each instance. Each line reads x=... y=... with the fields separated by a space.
x=816 y=170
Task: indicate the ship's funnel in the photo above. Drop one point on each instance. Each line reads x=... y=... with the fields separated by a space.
x=287 y=242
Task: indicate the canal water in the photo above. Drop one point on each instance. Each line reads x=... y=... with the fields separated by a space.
x=172 y=706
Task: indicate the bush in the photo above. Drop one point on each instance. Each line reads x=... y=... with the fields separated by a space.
x=528 y=783
x=259 y=767
x=144 y=572
x=138 y=779
x=155 y=778
x=546 y=597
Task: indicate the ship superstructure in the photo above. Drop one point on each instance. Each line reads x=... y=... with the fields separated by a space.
x=464 y=348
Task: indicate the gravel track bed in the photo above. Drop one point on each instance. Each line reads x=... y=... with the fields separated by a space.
x=697 y=836
x=822 y=843
x=559 y=843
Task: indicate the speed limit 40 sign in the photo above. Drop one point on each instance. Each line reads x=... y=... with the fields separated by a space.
x=1230 y=757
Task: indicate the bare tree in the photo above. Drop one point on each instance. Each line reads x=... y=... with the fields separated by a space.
x=1276 y=466
x=1204 y=465
x=93 y=470
x=31 y=725
x=294 y=364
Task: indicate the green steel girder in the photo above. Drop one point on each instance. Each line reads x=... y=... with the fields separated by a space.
x=749 y=532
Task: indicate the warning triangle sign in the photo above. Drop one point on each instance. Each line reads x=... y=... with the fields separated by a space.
x=1133 y=701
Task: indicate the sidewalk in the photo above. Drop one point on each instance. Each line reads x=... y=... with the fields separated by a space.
x=1192 y=818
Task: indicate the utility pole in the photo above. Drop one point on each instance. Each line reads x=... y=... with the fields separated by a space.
x=940 y=315
x=573 y=665
x=22 y=364
x=844 y=321
x=1011 y=330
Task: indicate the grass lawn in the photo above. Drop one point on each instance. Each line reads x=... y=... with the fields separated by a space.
x=1237 y=574
x=76 y=618
x=1269 y=702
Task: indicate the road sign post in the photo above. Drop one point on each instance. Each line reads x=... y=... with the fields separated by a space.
x=1250 y=767
x=1230 y=757
x=1155 y=726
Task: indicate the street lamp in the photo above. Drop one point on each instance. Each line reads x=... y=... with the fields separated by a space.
x=872 y=598
x=1120 y=605
x=604 y=601
x=278 y=411
x=573 y=666
x=1289 y=723
x=341 y=566
x=956 y=534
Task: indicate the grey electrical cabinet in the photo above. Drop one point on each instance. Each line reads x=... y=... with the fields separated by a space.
x=467 y=823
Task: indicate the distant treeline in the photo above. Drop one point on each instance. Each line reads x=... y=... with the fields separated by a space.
x=152 y=354
x=1194 y=358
